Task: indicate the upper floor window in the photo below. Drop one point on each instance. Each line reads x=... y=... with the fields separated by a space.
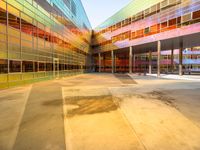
x=73 y=8
x=196 y=14
x=13 y=21
x=67 y=2
x=3 y=16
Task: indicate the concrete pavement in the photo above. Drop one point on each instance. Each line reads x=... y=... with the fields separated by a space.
x=101 y=111
x=178 y=77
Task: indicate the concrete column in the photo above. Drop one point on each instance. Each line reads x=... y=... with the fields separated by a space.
x=112 y=57
x=99 y=62
x=172 y=60
x=181 y=61
x=159 y=54
x=134 y=62
x=130 y=60
x=115 y=64
x=103 y=65
x=150 y=62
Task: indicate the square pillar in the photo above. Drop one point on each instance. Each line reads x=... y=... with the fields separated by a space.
x=134 y=62
x=150 y=62
x=99 y=62
x=158 y=60
x=103 y=61
x=172 y=60
x=130 y=59
x=115 y=63
x=112 y=58
x=181 y=61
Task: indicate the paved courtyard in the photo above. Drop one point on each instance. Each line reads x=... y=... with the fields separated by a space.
x=102 y=112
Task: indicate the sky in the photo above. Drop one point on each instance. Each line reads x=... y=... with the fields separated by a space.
x=100 y=10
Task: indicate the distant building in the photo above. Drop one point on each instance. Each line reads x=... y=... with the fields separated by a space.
x=150 y=36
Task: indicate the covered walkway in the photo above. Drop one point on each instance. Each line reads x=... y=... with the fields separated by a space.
x=176 y=55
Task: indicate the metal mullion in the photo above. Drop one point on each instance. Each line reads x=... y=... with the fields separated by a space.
x=51 y=49
x=37 y=56
x=44 y=49
x=33 y=55
x=20 y=29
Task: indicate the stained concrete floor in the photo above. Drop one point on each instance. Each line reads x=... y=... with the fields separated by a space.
x=100 y=112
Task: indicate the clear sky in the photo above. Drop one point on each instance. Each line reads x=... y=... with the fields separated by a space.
x=99 y=10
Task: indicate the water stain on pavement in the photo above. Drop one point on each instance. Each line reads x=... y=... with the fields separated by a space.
x=157 y=95
x=84 y=105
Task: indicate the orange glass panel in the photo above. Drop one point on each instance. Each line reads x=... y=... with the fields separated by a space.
x=196 y=14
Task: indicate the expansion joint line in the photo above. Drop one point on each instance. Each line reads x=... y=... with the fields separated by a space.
x=130 y=125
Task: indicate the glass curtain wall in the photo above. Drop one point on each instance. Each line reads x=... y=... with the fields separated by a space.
x=36 y=36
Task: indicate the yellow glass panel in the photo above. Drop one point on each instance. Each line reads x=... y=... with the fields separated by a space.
x=3 y=78
x=2 y=5
x=16 y=4
x=14 y=55
x=27 y=11
x=13 y=10
x=41 y=74
x=3 y=85
x=28 y=76
x=3 y=50
x=2 y=28
x=13 y=32
x=14 y=40
x=26 y=18
x=26 y=44
x=2 y=37
x=3 y=54
x=3 y=46
x=14 y=77
x=26 y=37
x=16 y=83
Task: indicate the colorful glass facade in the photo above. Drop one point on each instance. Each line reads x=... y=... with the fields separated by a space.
x=42 y=39
x=144 y=22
